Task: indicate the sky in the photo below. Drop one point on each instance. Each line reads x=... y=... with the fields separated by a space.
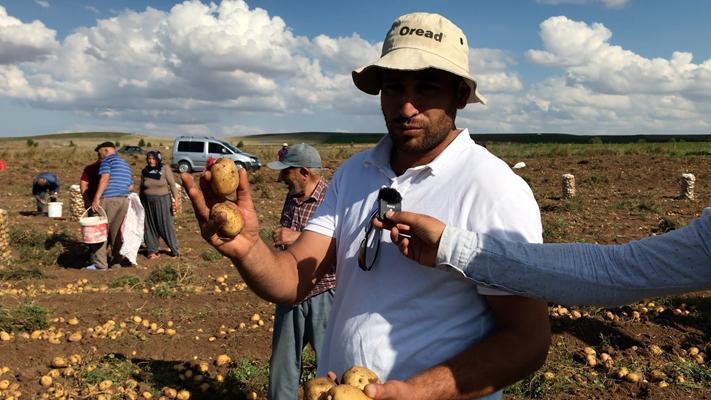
x=233 y=67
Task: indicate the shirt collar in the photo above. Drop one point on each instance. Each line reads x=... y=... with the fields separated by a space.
x=379 y=156
x=317 y=194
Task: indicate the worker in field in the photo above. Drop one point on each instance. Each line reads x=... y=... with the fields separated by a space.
x=45 y=184
x=426 y=333
x=303 y=323
x=282 y=152
x=115 y=181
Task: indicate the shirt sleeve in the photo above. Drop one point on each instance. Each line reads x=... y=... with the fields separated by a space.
x=85 y=175
x=583 y=274
x=324 y=219
x=515 y=216
x=171 y=181
x=105 y=167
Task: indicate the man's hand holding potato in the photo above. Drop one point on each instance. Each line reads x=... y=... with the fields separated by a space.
x=417 y=235
x=203 y=198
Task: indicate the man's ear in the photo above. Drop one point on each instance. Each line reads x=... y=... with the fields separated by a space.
x=303 y=171
x=463 y=92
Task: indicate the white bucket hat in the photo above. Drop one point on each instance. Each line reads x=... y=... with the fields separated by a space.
x=419 y=41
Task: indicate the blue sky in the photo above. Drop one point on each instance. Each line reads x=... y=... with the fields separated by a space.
x=237 y=68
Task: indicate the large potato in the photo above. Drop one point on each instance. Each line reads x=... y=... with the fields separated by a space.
x=359 y=377
x=346 y=392
x=233 y=221
x=317 y=387
x=225 y=178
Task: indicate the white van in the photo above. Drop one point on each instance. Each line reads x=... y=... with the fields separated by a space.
x=190 y=153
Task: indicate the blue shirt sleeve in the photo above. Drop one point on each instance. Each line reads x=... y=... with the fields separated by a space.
x=581 y=274
x=105 y=166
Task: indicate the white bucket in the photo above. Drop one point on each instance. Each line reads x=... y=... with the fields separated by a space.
x=94 y=229
x=54 y=209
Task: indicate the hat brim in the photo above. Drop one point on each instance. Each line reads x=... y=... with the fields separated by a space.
x=277 y=165
x=367 y=78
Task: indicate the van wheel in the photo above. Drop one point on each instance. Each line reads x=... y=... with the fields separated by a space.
x=184 y=166
x=240 y=164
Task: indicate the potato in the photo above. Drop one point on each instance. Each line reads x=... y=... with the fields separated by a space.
x=345 y=392
x=233 y=218
x=315 y=388
x=224 y=177
x=359 y=377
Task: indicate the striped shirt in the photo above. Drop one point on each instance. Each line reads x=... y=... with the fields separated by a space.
x=296 y=215
x=119 y=176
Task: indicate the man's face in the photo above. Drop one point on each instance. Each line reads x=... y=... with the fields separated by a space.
x=420 y=107
x=41 y=182
x=294 y=180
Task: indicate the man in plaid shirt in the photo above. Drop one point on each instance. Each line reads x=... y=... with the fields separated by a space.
x=295 y=326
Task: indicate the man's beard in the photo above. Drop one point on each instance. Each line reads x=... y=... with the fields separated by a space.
x=433 y=136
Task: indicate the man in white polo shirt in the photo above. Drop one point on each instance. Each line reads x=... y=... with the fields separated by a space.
x=427 y=333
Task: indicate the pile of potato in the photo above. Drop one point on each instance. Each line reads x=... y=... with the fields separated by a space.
x=225 y=180
x=4 y=238
x=351 y=388
x=76 y=203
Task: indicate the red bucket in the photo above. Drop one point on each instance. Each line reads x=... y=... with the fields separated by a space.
x=94 y=229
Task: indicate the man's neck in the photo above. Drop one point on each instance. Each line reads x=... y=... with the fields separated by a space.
x=401 y=161
x=311 y=184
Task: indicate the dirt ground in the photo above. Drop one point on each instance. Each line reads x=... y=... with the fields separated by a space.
x=201 y=299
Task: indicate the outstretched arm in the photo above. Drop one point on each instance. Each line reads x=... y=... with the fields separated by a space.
x=573 y=274
x=283 y=277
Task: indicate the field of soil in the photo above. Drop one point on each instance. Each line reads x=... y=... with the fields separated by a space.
x=165 y=326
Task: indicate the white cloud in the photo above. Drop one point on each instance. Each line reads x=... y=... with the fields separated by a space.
x=21 y=41
x=192 y=60
x=92 y=9
x=606 y=3
x=606 y=88
x=42 y=3
x=226 y=68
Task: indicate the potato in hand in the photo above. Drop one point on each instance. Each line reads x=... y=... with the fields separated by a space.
x=232 y=220
x=352 y=385
x=359 y=377
x=225 y=178
x=317 y=387
x=345 y=392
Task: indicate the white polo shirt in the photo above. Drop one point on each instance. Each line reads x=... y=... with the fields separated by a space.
x=400 y=318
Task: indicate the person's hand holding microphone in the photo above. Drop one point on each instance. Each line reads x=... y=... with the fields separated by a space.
x=417 y=235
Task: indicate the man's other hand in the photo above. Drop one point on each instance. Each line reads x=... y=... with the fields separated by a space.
x=284 y=236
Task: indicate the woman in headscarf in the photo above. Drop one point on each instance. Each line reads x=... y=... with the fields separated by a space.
x=157 y=186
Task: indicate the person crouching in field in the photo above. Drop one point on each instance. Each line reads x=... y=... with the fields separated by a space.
x=44 y=183
x=157 y=185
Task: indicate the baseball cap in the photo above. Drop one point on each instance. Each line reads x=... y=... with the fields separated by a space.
x=104 y=144
x=299 y=155
x=419 y=41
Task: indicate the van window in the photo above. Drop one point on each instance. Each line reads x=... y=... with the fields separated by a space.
x=191 y=147
x=216 y=148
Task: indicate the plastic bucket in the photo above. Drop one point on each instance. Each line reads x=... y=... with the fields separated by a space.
x=54 y=209
x=94 y=229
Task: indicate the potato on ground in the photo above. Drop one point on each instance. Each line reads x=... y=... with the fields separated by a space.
x=225 y=178
x=232 y=218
